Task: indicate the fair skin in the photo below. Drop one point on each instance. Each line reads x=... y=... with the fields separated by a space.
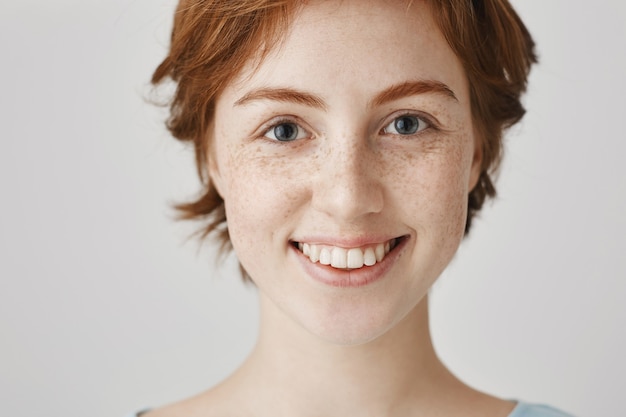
x=353 y=134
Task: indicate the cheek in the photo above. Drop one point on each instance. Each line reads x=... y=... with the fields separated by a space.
x=262 y=196
x=432 y=188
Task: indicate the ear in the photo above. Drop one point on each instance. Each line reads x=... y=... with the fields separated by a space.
x=477 y=161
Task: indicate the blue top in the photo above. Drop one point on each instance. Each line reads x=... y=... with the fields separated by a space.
x=536 y=410
x=521 y=410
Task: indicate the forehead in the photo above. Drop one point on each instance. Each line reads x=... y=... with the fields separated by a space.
x=358 y=45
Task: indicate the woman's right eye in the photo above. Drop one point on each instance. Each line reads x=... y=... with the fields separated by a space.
x=285 y=132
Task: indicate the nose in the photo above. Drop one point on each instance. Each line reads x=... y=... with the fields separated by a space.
x=349 y=184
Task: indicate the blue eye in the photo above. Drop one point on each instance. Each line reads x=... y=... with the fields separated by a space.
x=286 y=132
x=406 y=125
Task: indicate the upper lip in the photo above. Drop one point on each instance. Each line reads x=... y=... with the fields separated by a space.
x=346 y=242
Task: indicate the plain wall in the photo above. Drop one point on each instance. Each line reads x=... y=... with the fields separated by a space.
x=105 y=307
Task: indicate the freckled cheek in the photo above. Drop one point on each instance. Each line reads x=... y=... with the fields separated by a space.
x=451 y=213
x=432 y=191
x=264 y=195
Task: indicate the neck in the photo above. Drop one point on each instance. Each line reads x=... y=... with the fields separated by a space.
x=396 y=370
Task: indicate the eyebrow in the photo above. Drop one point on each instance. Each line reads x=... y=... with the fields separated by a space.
x=395 y=92
x=287 y=95
x=412 y=88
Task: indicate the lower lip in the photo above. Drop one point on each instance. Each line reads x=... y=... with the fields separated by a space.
x=352 y=278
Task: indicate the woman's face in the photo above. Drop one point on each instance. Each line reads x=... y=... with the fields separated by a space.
x=345 y=161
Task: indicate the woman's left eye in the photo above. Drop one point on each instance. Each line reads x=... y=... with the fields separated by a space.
x=286 y=132
x=406 y=125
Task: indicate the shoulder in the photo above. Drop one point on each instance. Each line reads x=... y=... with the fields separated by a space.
x=208 y=404
x=173 y=410
x=138 y=414
x=537 y=410
x=183 y=408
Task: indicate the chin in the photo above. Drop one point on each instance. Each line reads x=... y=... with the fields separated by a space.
x=358 y=322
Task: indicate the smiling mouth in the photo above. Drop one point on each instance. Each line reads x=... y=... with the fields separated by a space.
x=348 y=258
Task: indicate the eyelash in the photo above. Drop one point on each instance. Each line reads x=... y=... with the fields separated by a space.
x=430 y=124
x=273 y=124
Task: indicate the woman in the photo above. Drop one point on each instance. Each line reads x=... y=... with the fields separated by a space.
x=344 y=148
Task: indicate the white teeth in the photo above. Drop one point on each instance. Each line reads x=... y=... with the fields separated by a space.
x=342 y=258
x=369 y=257
x=380 y=252
x=314 y=254
x=325 y=257
x=339 y=258
x=355 y=258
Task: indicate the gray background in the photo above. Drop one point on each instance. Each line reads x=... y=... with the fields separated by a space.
x=105 y=307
